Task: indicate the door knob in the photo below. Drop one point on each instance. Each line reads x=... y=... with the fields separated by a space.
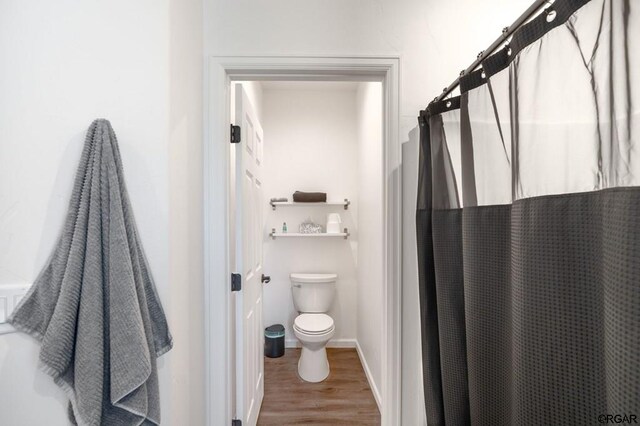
x=266 y=279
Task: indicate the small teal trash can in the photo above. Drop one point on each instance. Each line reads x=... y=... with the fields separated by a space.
x=274 y=341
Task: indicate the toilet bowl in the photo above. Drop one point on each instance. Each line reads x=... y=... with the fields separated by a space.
x=313 y=331
x=313 y=296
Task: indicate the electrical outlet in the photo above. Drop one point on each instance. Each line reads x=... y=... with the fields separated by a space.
x=10 y=296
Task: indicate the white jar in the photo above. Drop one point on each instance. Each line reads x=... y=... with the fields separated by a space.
x=333 y=223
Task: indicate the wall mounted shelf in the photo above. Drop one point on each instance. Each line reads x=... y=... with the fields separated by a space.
x=344 y=204
x=273 y=234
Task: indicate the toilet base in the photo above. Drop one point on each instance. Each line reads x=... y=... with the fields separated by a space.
x=313 y=365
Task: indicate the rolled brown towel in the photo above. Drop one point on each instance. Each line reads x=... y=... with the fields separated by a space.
x=309 y=197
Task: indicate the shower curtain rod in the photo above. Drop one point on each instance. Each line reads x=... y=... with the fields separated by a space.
x=506 y=33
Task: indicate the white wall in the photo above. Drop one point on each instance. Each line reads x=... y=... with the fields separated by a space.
x=185 y=305
x=310 y=140
x=138 y=64
x=412 y=389
x=371 y=235
x=435 y=40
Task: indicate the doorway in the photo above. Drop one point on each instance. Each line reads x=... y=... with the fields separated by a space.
x=219 y=246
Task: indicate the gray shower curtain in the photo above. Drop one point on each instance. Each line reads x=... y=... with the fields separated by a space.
x=528 y=227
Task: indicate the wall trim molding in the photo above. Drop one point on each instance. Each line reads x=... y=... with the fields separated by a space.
x=367 y=371
x=219 y=301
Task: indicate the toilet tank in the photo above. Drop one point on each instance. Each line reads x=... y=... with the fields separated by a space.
x=313 y=293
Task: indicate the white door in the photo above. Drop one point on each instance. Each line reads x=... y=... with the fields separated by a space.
x=249 y=239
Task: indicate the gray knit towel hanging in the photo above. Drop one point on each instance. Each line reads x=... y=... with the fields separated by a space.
x=94 y=307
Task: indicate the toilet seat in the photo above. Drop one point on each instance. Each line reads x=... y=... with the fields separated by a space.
x=313 y=324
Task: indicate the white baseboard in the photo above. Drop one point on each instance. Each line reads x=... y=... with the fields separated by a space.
x=367 y=372
x=333 y=343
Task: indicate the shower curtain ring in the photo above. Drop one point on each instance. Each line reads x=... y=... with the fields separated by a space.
x=551 y=14
x=549 y=11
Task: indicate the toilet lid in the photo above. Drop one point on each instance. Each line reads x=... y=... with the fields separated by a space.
x=313 y=323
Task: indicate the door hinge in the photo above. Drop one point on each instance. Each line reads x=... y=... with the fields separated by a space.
x=235 y=134
x=236 y=282
x=236 y=422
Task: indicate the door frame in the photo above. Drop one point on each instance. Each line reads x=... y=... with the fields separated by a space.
x=218 y=304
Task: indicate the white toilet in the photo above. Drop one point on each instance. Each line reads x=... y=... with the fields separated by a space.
x=312 y=297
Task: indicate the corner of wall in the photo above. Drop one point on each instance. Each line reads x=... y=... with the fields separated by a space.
x=185 y=308
x=371 y=223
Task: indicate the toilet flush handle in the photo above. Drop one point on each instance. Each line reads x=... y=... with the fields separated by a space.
x=266 y=279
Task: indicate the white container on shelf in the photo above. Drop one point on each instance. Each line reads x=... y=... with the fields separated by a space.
x=333 y=223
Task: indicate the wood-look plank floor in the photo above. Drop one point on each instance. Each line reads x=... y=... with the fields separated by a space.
x=343 y=398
